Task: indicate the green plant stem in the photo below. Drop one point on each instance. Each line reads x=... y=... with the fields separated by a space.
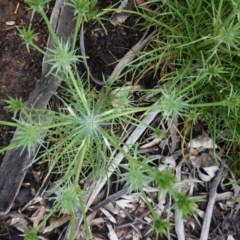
x=206 y=43
x=80 y=94
x=124 y=112
x=230 y=52
x=76 y=30
x=79 y=158
x=148 y=204
x=9 y=124
x=46 y=217
x=85 y=220
x=55 y=125
x=156 y=21
x=72 y=226
x=44 y=53
x=219 y=11
x=190 y=86
x=50 y=28
x=120 y=149
x=210 y=104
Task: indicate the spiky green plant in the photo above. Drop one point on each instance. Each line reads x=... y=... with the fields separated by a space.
x=197 y=47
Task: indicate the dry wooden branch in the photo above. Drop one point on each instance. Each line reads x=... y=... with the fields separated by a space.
x=179 y=225
x=211 y=202
x=15 y=162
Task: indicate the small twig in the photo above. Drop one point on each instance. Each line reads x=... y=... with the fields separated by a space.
x=110 y=199
x=179 y=225
x=17 y=7
x=122 y=13
x=130 y=55
x=172 y=126
x=83 y=53
x=211 y=202
x=111 y=234
x=10 y=28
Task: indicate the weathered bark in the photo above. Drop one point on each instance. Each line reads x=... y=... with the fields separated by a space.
x=15 y=162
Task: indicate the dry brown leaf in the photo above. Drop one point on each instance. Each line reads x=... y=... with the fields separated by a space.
x=19 y=222
x=38 y=215
x=136 y=236
x=204 y=160
x=129 y=201
x=111 y=234
x=199 y=212
x=108 y=215
x=32 y=204
x=203 y=141
x=143 y=4
x=122 y=93
x=37 y=175
x=188 y=185
x=208 y=174
x=223 y=206
x=148 y=219
x=206 y=164
x=97 y=238
x=98 y=221
x=167 y=163
x=125 y=204
x=114 y=208
x=121 y=233
x=230 y=204
x=91 y=217
x=174 y=134
x=224 y=196
x=154 y=142
x=56 y=222
x=119 y=16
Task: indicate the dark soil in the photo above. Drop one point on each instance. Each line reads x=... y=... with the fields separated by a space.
x=106 y=46
x=19 y=69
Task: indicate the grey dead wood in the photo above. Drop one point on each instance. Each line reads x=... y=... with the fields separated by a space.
x=211 y=203
x=15 y=162
x=178 y=218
